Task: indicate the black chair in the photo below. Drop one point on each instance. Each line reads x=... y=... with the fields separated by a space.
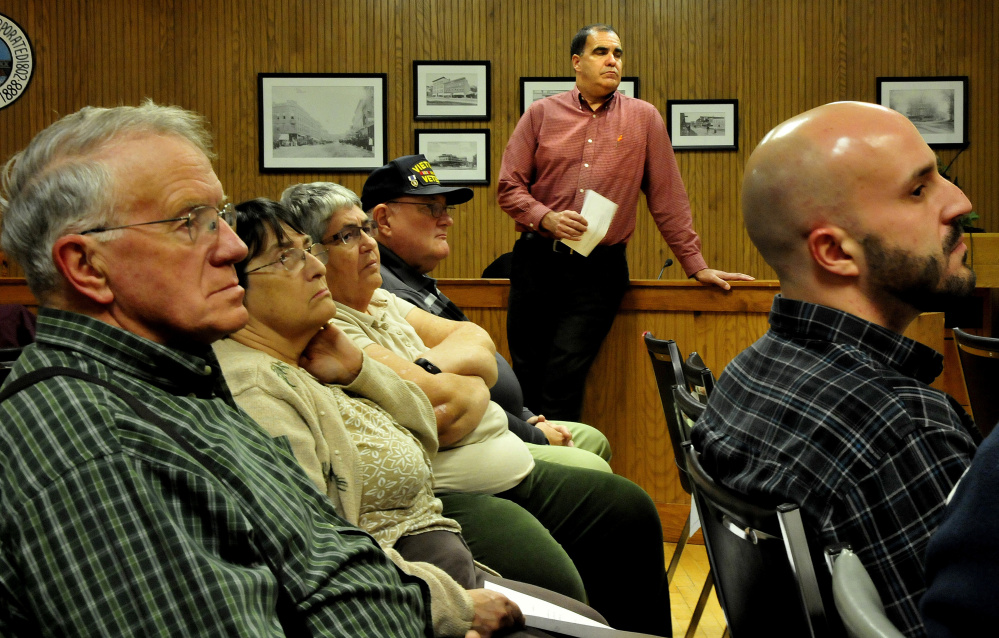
x=671 y=373
x=980 y=364
x=760 y=560
x=668 y=370
x=699 y=378
x=688 y=408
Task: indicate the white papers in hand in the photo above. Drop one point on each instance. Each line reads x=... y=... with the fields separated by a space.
x=598 y=212
x=532 y=606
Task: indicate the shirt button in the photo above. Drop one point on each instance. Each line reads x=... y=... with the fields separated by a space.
x=589 y=141
x=208 y=369
x=322 y=413
x=594 y=115
x=531 y=225
x=192 y=395
x=586 y=165
x=336 y=452
x=580 y=190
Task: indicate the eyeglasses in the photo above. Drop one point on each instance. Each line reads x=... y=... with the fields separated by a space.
x=435 y=210
x=202 y=221
x=350 y=234
x=293 y=259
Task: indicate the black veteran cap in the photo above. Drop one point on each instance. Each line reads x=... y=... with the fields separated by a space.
x=408 y=175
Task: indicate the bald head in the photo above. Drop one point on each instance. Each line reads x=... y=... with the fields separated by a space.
x=808 y=171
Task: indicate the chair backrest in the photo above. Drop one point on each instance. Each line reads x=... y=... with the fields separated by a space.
x=857 y=600
x=668 y=368
x=689 y=408
x=980 y=363
x=760 y=559
x=698 y=376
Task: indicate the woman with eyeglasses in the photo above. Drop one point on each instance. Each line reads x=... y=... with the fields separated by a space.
x=588 y=534
x=364 y=436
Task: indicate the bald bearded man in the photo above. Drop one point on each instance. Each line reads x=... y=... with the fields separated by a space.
x=831 y=409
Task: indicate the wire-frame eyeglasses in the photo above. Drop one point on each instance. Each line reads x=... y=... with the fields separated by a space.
x=202 y=221
x=293 y=259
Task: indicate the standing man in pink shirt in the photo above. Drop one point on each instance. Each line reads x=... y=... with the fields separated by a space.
x=562 y=304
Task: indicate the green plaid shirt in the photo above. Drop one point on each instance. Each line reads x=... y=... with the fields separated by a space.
x=107 y=527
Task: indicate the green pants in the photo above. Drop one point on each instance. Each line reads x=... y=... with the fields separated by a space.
x=591 y=450
x=588 y=534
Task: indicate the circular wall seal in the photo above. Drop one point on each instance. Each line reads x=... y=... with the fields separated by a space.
x=17 y=61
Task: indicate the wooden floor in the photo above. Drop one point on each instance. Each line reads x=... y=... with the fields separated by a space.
x=685 y=589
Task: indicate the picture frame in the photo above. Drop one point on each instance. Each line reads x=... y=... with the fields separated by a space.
x=703 y=125
x=451 y=90
x=937 y=106
x=322 y=122
x=459 y=156
x=536 y=88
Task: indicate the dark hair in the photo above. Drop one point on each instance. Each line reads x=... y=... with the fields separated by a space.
x=253 y=218
x=579 y=40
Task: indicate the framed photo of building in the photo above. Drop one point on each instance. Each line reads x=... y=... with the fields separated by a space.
x=534 y=88
x=459 y=156
x=703 y=125
x=322 y=122
x=937 y=106
x=451 y=90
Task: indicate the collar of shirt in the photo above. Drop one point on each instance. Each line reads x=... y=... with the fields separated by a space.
x=796 y=319
x=196 y=371
x=585 y=106
x=406 y=273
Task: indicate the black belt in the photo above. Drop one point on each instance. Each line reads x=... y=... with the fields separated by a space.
x=562 y=249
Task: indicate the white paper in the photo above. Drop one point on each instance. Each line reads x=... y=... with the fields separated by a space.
x=532 y=606
x=695 y=518
x=598 y=211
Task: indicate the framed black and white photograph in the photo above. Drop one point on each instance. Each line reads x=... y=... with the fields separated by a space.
x=536 y=88
x=319 y=122
x=459 y=156
x=937 y=106
x=451 y=90
x=703 y=125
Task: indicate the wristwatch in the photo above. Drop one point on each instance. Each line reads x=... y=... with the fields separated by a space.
x=426 y=365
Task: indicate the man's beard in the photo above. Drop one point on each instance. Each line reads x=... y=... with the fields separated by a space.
x=915 y=279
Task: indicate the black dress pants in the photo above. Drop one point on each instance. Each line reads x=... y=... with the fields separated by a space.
x=561 y=307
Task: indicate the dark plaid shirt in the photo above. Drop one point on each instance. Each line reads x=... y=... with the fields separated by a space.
x=400 y=279
x=834 y=413
x=108 y=527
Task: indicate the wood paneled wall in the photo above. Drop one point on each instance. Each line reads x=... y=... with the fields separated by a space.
x=777 y=57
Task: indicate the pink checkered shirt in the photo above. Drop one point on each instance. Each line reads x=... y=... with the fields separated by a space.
x=561 y=148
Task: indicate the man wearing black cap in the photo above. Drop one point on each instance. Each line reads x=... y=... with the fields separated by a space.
x=413 y=213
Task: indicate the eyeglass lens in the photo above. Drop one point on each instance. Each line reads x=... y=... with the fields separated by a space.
x=205 y=220
x=351 y=234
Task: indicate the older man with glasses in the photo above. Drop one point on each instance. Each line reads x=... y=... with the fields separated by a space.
x=138 y=499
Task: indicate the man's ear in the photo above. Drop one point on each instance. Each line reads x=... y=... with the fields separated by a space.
x=835 y=251
x=380 y=215
x=575 y=61
x=83 y=268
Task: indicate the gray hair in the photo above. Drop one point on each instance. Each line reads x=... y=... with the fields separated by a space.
x=56 y=186
x=313 y=205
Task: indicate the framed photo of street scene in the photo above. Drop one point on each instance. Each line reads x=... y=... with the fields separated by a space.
x=703 y=125
x=536 y=88
x=451 y=90
x=459 y=156
x=937 y=106
x=322 y=122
